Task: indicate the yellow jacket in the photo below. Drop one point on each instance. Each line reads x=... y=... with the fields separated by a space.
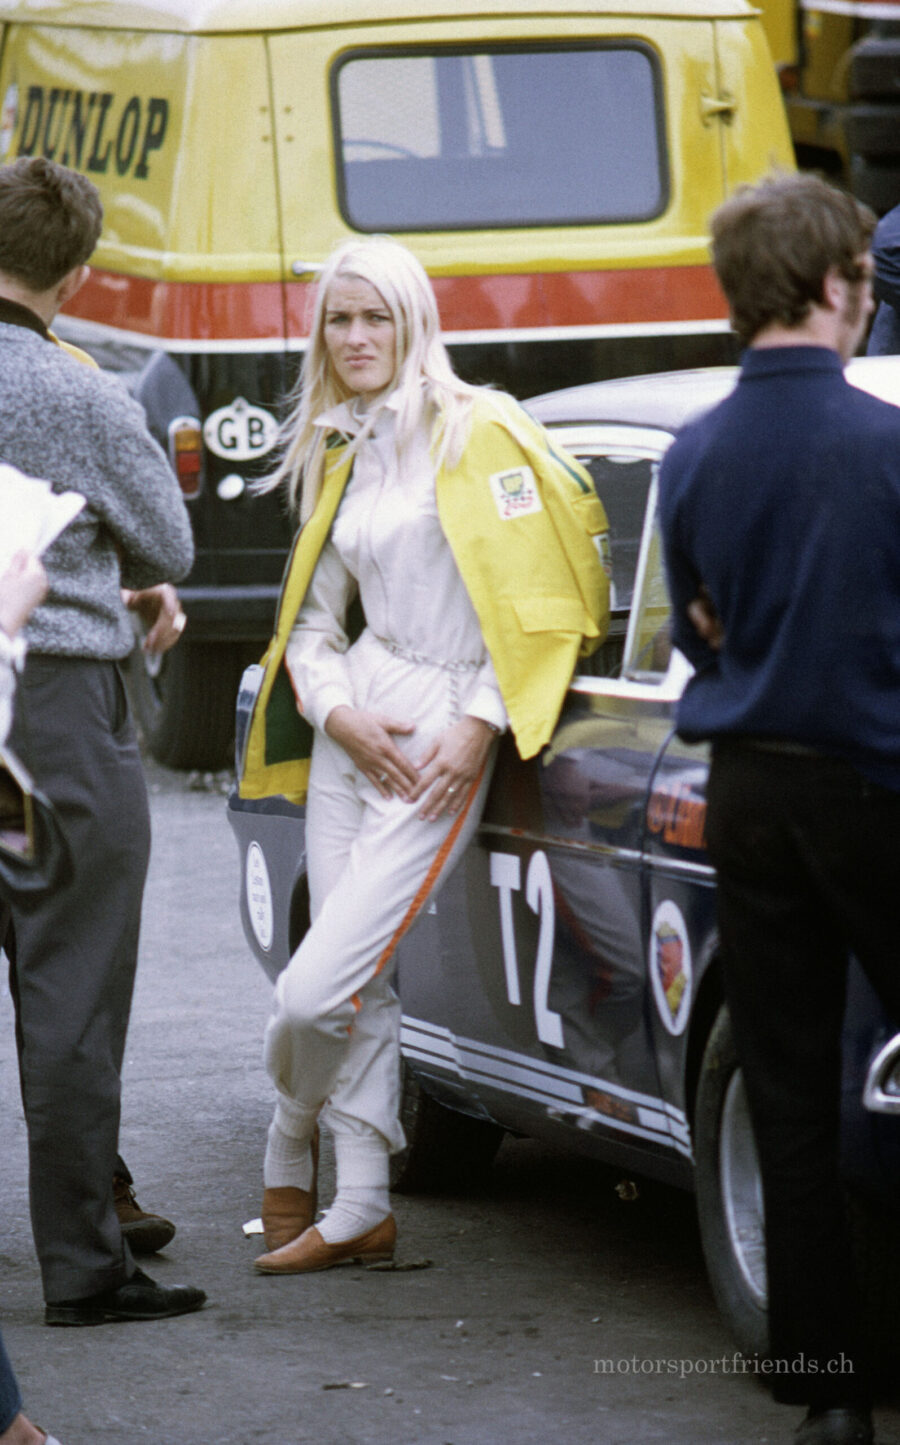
x=526 y=530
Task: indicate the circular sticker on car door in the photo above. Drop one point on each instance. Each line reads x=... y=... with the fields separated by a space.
x=670 y=966
x=259 y=897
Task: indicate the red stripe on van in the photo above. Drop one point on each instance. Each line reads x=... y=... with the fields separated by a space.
x=579 y=298
x=252 y=311
x=182 y=310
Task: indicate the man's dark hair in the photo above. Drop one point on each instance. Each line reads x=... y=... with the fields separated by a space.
x=773 y=243
x=50 y=220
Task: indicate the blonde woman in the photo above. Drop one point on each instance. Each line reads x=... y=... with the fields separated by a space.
x=440 y=512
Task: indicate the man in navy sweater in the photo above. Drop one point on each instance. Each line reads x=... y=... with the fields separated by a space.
x=781 y=521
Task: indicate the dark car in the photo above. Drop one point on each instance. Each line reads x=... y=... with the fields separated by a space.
x=566 y=983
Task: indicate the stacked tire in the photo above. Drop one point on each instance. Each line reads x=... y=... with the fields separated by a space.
x=873 y=121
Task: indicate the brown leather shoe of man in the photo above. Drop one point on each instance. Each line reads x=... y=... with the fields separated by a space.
x=286 y=1211
x=310 y=1252
x=144 y=1233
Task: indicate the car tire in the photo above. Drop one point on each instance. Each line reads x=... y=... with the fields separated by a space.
x=729 y=1192
x=184 y=702
x=732 y=1224
x=446 y=1152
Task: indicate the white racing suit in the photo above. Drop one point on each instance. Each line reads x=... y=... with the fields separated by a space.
x=333 y=1038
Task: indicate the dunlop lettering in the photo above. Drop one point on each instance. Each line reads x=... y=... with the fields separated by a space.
x=56 y=109
x=98 y=161
x=154 y=133
x=79 y=120
x=125 y=142
x=93 y=130
x=31 y=121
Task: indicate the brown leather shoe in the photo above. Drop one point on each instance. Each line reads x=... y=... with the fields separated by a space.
x=286 y=1211
x=144 y=1233
x=310 y=1252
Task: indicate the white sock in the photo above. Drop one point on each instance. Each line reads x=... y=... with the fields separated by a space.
x=288 y=1161
x=362 y=1198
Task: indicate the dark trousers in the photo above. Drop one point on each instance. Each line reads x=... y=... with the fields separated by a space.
x=73 y=961
x=808 y=860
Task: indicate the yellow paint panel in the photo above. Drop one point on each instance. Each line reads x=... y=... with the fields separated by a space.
x=208 y=175
x=174 y=130
x=780 y=24
x=313 y=223
x=755 y=139
x=268 y=16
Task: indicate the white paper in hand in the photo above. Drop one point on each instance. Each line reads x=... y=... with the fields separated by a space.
x=32 y=515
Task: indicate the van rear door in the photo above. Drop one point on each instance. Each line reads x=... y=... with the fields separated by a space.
x=552 y=172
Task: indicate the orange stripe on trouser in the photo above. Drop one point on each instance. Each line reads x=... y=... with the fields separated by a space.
x=430 y=880
x=377 y=865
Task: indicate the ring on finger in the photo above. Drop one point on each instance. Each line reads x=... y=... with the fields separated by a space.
x=381 y=777
x=450 y=788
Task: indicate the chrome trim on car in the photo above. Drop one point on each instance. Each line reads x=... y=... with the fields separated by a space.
x=665 y=689
x=625 y=856
x=876 y=1097
x=560 y=1089
x=665 y=864
x=619 y=857
x=610 y=439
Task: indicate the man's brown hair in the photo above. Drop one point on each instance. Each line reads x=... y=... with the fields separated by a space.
x=773 y=243
x=50 y=220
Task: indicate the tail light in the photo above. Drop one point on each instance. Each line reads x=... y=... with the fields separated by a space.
x=186 y=453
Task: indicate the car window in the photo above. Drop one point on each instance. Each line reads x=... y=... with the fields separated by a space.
x=472 y=138
x=622 y=460
x=648 y=645
x=622 y=483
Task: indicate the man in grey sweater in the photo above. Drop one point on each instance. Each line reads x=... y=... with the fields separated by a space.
x=74 y=954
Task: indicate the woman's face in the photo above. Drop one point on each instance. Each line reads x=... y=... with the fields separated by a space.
x=360 y=335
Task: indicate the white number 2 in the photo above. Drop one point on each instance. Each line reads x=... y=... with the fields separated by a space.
x=507 y=878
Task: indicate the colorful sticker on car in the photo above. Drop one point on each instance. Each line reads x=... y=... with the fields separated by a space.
x=678 y=814
x=670 y=966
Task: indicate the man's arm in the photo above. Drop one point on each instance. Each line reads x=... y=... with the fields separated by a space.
x=696 y=626
x=139 y=500
x=162 y=614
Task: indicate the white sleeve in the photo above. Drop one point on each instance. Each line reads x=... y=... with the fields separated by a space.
x=12 y=657
x=7 y=683
x=315 y=655
x=486 y=701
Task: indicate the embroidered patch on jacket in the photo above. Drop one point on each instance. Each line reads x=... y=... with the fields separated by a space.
x=515 y=493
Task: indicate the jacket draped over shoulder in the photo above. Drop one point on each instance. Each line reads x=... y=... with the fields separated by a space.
x=526 y=529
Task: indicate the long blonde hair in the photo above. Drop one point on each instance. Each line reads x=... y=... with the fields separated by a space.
x=424 y=382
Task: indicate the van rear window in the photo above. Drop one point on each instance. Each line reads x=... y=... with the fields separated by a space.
x=531 y=136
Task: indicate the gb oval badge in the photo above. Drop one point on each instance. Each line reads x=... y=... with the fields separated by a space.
x=240 y=432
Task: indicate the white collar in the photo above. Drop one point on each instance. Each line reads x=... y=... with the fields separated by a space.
x=343 y=417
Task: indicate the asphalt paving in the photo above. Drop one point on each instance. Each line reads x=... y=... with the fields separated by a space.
x=544 y=1307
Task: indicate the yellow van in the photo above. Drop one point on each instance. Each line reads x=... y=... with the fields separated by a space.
x=552 y=162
